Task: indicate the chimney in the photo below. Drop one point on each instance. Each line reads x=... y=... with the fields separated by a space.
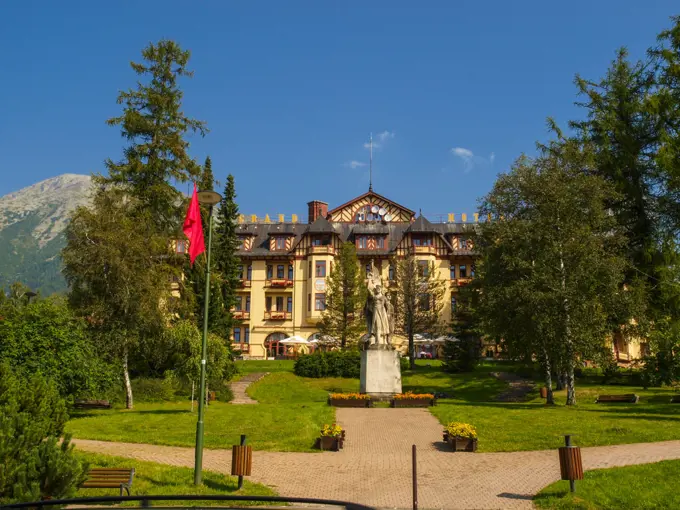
x=316 y=209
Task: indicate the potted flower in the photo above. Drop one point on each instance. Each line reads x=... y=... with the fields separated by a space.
x=349 y=400
x=332 y=438
x=410 y=399
x=461 y=436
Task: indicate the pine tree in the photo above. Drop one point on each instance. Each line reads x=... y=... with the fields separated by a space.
x=418 y=297
x=345 y=297
x=155 y=125
x=226 y=245
x=463 y=353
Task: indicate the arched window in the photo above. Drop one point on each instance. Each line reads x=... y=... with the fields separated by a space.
x=273 y=345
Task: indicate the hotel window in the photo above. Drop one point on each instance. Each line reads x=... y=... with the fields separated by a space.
x=390 y=273
x=241 y=243
x=290 y=271
x=239 y=301
x=280 y=243
x=462 y=243
x=320 y=302
x=268 y=303
x=289 y=305
x=381 y=243
x=424 y=302
x=237 y=335
x=181 y=247
x=321 y=268
x=280 y=271
x=240 y=272
x=361 y=242
x=453 y=271
x=462 y=273
x=249 y=273
x=423 y=268
x=422 y=241
x=247 y=303
x=309 y=302
x=472 y=270
x=246 y=335
x=279 y=303
x=453 y=304
x=270 y=272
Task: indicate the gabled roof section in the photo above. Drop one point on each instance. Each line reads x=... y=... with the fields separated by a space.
x=346 y=212
x=421 y=226
x=321 y=226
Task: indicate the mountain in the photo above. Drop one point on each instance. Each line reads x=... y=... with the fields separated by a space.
x=32 y=223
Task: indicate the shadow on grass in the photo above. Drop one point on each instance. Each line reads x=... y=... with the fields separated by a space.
x=220 y=486
x=162 y=411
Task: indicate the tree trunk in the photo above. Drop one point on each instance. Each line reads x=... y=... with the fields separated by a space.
x=411 y=352
x=571 y=389
x=569 y=343
x=548 y=377
x=126 y=378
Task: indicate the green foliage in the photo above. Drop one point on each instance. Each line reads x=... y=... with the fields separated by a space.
x=345 y=297
x=663 y=367
x=148 y=389
x=329 y=364
x=45 y=337
x=32 y=418
x=155 y=125
x=462 y=355
x=226 y=261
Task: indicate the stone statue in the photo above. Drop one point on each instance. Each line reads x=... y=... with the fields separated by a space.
x=379 y=313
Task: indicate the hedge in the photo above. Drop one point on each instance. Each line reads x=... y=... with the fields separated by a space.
x=334 y=364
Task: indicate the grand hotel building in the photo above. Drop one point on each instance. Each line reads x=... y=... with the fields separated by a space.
x=285 y=263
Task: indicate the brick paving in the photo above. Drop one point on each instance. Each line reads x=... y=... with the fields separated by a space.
x=374 y=468
x=518 y=388
x=239 y=388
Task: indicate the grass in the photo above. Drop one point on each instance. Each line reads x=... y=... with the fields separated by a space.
x=291 y=411
x=160 y=479
x=642 y=487
x=250 y=366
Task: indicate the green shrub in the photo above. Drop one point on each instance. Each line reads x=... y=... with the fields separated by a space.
x=147 y=389
x=224 y=394
x=404 y=363
x=329 y=364
x=34 y=464
x=462 y=355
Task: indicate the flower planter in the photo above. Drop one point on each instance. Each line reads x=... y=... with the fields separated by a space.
x=412 y=402
x=354 y=402
x=462 y=444
x=329 y=443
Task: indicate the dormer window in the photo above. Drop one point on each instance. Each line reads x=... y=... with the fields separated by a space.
x=280 y=243
x=241 y=243
x=422 y=241
x=462 y=243
x=180 y=246
x=362 y=242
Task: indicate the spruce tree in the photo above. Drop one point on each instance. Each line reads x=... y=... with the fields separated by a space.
x=345 y=297
x=226 y=246
x=155 y=126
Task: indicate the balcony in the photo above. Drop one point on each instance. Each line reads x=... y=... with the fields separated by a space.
x=423 y=250
x=241 y=315
x=321 y=250
x=460 y=282
x=244 y=283
x=278 y=283
x=275 y=315
x=241 y=347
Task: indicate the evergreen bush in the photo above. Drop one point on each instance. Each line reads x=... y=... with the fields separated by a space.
x=329 y=364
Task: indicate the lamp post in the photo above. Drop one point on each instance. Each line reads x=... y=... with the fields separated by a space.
x=209 y=198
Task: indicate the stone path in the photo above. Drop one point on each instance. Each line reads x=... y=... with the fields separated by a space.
x=518 y=388
x=374 y=468
x=239 y=388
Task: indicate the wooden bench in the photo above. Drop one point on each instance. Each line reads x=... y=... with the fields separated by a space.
x=92 y=404
x=675 y=399
x=109 y=478
x=628 y=398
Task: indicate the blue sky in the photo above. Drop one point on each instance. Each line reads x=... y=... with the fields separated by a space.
x=452 y=91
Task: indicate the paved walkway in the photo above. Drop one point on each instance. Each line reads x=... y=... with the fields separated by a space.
x=518 y=388
x=239 y=388
x=375 y=466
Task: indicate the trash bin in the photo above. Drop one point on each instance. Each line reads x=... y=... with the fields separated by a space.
x=241 y=460
x=571 y=466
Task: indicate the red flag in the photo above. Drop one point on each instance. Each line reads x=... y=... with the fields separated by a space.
x=193 y=229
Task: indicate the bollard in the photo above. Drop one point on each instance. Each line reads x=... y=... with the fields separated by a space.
x=415 y=479
x=571 y=466
x=241 y=460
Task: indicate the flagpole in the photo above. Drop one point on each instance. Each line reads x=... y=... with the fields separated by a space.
x=210 y=198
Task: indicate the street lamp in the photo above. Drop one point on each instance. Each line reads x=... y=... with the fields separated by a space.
x=209 y=198
x=29 y=295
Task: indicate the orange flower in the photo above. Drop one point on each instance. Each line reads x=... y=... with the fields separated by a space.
x=409 y=395
x=349 y=396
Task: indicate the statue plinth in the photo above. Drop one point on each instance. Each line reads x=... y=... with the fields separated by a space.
x=380 y=372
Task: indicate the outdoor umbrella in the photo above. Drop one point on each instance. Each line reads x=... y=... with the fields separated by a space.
x=295 y=340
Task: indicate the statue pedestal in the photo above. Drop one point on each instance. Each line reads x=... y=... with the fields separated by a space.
x=380 y=373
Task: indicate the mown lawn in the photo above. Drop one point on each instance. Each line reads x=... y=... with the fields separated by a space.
x=161 y=479
x=291 y=411
x=643 y=487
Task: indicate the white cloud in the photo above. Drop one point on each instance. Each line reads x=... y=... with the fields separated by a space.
x=380 y=140
x=355 y=164
x=471 y=161
x=384 y=136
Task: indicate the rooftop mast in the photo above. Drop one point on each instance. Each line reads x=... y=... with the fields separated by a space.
x=370 y=163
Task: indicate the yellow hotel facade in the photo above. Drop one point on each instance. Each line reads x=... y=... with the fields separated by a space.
x=282 y=289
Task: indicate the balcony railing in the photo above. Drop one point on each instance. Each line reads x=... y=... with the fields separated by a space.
x=460 y=282
x=242 y=347
x=244 y=283
x=326 y=249
x=277 y=316
x=278 y=283
x=241 y=315
x=423 y=250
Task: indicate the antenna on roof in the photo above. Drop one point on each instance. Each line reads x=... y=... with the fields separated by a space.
x=370 y=163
